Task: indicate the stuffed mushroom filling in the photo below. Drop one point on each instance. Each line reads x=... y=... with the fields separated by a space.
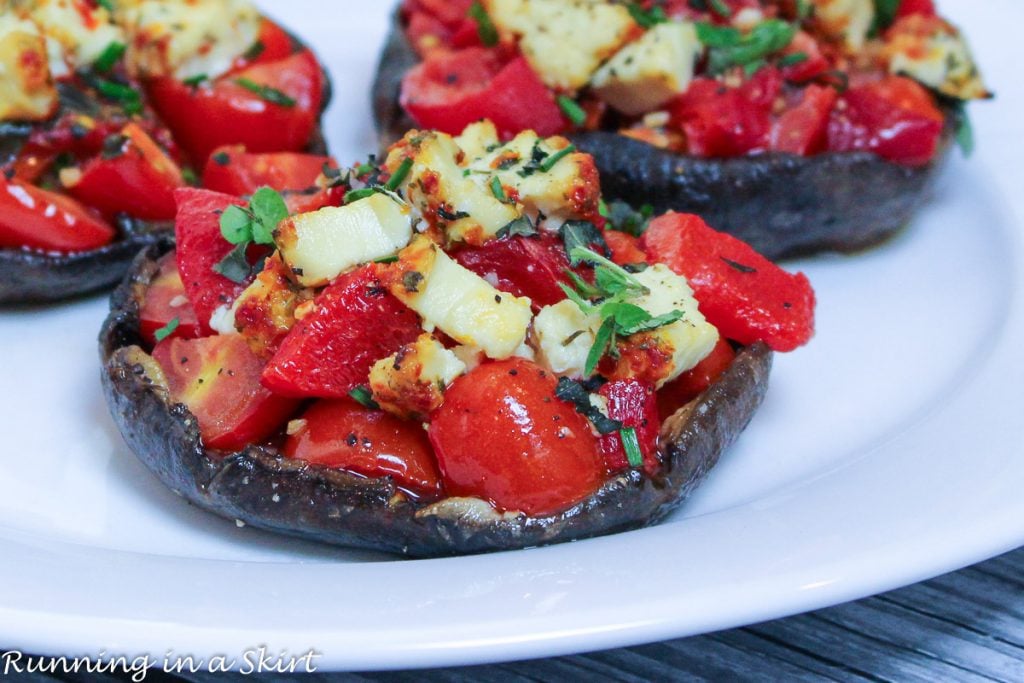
x=715 y=79
x=106 y=108
x=465 y=316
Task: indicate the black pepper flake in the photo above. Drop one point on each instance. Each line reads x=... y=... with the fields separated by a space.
x=738 y=266
x=497 y=298
x=513 y=372
x=221 y=158
x=787 y=305
x=411 y=281
x=297 y=271
x=352 y=439
x=376 y=291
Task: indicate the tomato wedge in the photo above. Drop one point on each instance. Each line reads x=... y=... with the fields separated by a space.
x=165 y=302
x=635 y=405
x=200 y=247
x=451 y=90
x=233 y=170
x=743 y=294
x=803 y=129
x=328 y=353
x=35 y=218
x=136 y=178
x=282 y=117
x=217 y=378
x=344 y=435
x=501 y=435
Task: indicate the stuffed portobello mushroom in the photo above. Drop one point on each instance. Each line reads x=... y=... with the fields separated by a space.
x=446 y=351
x=107 y=108
x=799 y=126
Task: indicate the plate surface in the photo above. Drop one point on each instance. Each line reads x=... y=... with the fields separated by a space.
x=888 y=451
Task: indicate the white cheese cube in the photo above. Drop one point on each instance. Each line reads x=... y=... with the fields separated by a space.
x=457 y=301
x=320 y=245
x=847 y=20
x=564 y=336
x=478 y=139
x=26 y=87
x=935 y=54
x=83 y=32
x=651 y=71
x=691 y=338
x=436 y=181
x=411 y=383
x=565 y=41
x=187 y=38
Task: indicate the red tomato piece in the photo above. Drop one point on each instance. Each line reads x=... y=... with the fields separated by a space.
x=232 y=170
x=523 y=266
x=895 y=118
x=803 y=129
x=725 y=122
x=140 y=181
x=746 y=296
x=501 y=435
x=624 y=247
x=37 y=219
x=635 y=405
x=451 y=90
x=344 y=435
x=908 y=7
x=217 y=378
x=693 y=383
x=200 y=247
x=814 y=63
x=210 y=115
x=273 y=44
x=451 y=13
x=165 y=300
x=328 y=353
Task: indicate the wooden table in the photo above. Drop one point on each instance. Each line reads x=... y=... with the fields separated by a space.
x=967 y=626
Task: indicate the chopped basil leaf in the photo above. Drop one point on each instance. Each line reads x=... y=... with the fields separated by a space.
x=266 y=92
x=363 y=397
x=572 y=110
x=269 y=209
x=584 y=234
x=255 y=50
x=484 y=26
x=235 y=266
x=576 y=393
x=236 y=225
x=631 y=444
x=108 y=58
x=521 y=226
x=653 y=323
x=399 y=176
x=167 y=330
x=885 y=14
x=624 y=218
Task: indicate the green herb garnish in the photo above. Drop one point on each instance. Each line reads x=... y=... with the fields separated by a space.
x=484 y=26
x=127 y=96
x=195 y=81
x=364 y=397
x=108 y=58
x=550 y=162
x=106 y=4
x=631 y=444
x=521 y=227
x=235 y=266
x=399 y=176
x=356 y=195
x=623 y=218
x=246 y=225
x=646 y=18
x=885 y=14
x=497 y=190
x=729 y=47
x=167 y=330
x=572 y=110
x=266 y=92
x=793 y=59
x=575 y=393
x=576 y=234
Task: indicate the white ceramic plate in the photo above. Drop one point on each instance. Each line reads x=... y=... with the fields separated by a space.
x=887 y=452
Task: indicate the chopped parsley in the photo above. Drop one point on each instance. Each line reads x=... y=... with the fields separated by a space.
x=106 y=4
x=647 y=18
x=127 y=96
x=624 y=218
x=167 y=330
x=497 y=190
x=576 y=393
x=577 y=234
x=246 y=225
x=399 y=176
x=521 y=227
x=266 y=92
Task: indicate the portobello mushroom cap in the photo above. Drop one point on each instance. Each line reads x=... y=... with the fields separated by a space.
x=262 y=488
x=783 y=205
x=31 y=276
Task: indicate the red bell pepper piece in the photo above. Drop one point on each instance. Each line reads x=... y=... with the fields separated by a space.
x=743 y=294
x=523 y=266
x=328 y=353
x=635 y=405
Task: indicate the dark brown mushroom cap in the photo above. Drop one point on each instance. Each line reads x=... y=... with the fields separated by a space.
x=260 y=487
x=783 y=205
x=29 y=276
